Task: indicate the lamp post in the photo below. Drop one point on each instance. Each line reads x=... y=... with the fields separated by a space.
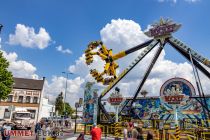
x=76 y=106
x=64 y=106
x=1 y=26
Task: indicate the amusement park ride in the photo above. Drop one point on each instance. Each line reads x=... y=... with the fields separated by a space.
x=160 y=34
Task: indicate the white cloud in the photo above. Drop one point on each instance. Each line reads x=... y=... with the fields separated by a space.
x=58 y=85
x=60 y=49
x=26 y=37
x=20 y=68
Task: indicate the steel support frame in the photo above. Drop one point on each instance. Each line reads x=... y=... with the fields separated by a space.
x=145 y=76
x=101 y=107
x=148 y=72
x=199 y=86
x=200 y=67
x=187 y=56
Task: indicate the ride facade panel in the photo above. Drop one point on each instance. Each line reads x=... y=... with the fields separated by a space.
x=90 y=103
x=155 y=108
x=177 y=98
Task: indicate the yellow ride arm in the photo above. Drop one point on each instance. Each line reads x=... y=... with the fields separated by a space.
x=119 y=55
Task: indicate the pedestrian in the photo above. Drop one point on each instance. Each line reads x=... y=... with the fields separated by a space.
x=149 y=136
x=3 y=136
x=96 y=132
x=81 y=137
x=125 y=131
x=66 y=123
x=140 y=133
x=37 y=130
x=135 y=132
x=5 y=128
x=60 y=122
x=129 y=132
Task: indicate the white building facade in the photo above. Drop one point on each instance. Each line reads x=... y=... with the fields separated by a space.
x=26 y=94
x=47 y=109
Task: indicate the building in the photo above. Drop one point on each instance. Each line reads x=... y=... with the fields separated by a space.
x=26 y=95
x=47 y=109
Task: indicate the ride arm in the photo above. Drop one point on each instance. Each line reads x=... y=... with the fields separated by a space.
x=187 y=56
x=130 y=67
x=175 y=42
x=131 y=50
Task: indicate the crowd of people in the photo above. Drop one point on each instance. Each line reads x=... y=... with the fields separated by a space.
x=130 y=132
x=50 y=129
x=134 y=131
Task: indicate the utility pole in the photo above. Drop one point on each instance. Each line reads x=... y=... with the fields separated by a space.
x=1 y=26
x=64 y=106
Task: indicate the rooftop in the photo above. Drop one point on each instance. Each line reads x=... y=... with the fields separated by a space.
x=23 y=83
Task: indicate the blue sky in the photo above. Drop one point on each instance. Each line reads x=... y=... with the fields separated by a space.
x=74 y=23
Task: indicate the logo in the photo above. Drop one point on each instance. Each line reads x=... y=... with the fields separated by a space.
x=176 y=91
x=18 y=133
x=162 y=28
x=116 y=97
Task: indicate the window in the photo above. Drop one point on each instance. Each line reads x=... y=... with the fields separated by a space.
x=20 y=99
x=10 y=97
x=6 y=113
x=35 y=100
x=33 y=113
x=28 y=99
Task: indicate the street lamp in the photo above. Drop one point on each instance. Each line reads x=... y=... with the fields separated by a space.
x=64 y=106
x=76 y=106
x=1 y=26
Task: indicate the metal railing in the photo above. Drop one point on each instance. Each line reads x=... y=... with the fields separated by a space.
x=162 y=130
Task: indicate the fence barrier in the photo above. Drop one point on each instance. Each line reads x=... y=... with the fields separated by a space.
x=162 y=130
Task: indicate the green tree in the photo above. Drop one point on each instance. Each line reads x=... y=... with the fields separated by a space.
x=6 y=78
x=59 y=104
x=69 y=109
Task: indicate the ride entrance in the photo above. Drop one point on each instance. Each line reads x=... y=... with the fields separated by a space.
x=175 y=108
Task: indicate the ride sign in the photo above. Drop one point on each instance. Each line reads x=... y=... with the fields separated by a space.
x=115 y=100
x=163 y=28
x=176 y=91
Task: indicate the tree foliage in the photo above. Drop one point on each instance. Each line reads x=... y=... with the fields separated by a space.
x=6 y=78
x=59 y=106
x=69 y=110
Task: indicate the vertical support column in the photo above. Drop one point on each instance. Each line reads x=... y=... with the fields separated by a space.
x=177 y=134
x=75 y=128
x=116 y=115
x=200 y=90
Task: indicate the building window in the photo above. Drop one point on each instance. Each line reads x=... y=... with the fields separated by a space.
x=33 y=113
x=20 y=99
x=35 y=100
x=10 y=97
x=28 y=99
x=6 y=113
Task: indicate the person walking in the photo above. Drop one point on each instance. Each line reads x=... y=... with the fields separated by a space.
x=38 y=129
x=140 y=133
x=5 y=128
x=130 y=131
x=149 y=136
x=125 y=131
x=96 y=132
